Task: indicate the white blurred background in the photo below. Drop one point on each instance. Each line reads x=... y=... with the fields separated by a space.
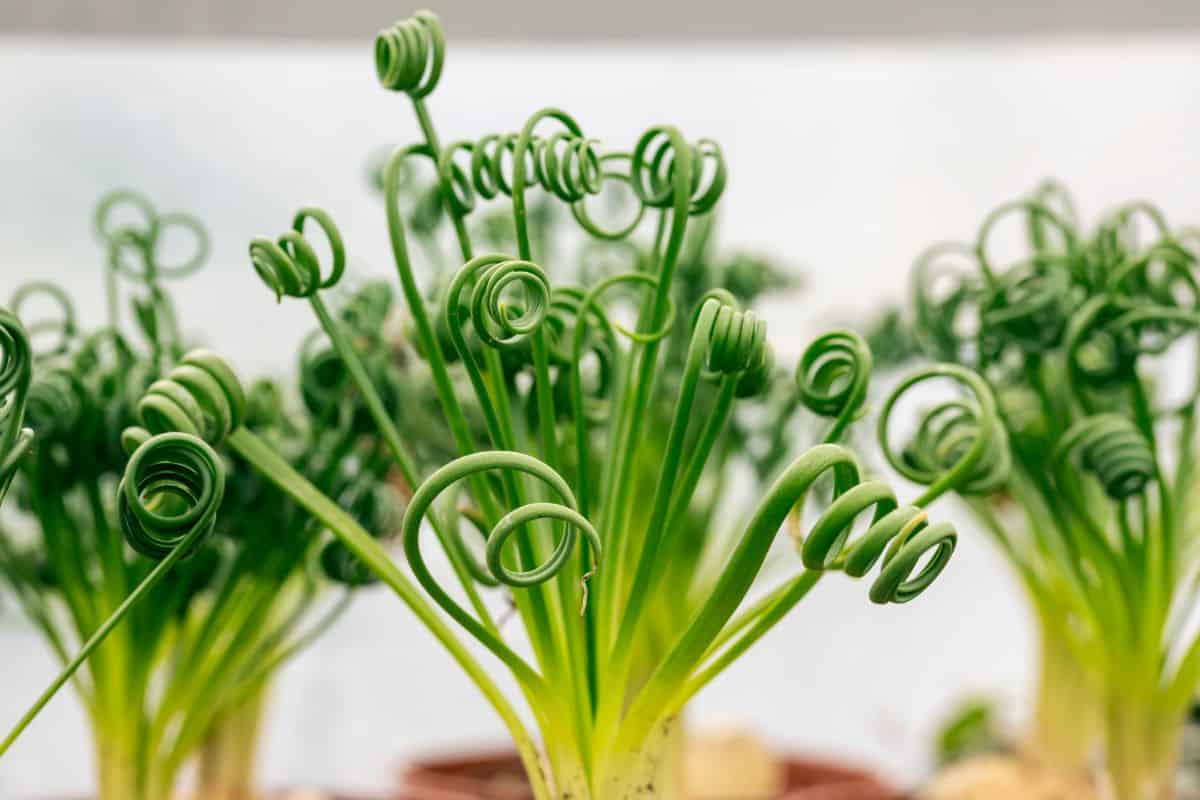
x=847 y=156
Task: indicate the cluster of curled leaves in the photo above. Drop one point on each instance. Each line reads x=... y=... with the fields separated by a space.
x=744 y=277
x=580 y=391
x=564 y=434
x=1072 y=326
x=82 y=392
x=138 y=541
x=321 y=429
x=1088 y=335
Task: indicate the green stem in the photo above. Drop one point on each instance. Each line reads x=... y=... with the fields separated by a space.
x=651 y=770
x=156 y=575
x=1066 y=717
x=116 y=773
x=1141 y=750
x=403 y=458
x=373 y=556
x=225 y=769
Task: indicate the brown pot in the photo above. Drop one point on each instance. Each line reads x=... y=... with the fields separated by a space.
x=498 y=775
x=309 y=794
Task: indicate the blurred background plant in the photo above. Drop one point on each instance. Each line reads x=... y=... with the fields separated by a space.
x=183 y=678
x=1088 y=338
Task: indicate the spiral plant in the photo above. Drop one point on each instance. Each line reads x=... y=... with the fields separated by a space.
x=187 y=580
x=580 y=451
x=1085 y=337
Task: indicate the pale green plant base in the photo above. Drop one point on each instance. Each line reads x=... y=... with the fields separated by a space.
x=1141 y=753
x=1065 y=729
x=225 y=768
x=654 y=772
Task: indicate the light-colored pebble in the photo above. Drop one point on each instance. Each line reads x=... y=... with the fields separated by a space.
x=1000 y=777
x=720 y=764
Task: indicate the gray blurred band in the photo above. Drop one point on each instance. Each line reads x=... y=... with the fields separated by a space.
x=602 y=20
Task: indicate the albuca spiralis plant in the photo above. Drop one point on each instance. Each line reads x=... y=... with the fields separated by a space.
x=555 y=496
x=184 y=615
x=759 y=434
x=1085 y=338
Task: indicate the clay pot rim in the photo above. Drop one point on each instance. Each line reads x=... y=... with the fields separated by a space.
x=442 y=771
x=282 y=794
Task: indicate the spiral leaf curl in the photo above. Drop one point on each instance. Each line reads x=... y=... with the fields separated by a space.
x=900 y=535
x=657 y=156
x=1101 y=351
x=57 y=405
x=833 y=376
x=1042 y=223
x=339 y=564
x=145 y=236
x=1114 y=450
x=202 y=396
x=565 y=164
x=940 y=314
x=737 y=340
x=1027 y=306
x=737 y=345
x=410 y=54
x=290 y=266
x=463 y=468
x=959 y=444
x=497 y=321
x=61 y=326
x=170 y=494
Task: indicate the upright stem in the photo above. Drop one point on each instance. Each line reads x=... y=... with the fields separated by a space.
x=225 y=770
x=371 y=553
x=116 y=773
x=1141 y=750
x=652 y=771
x=1066 y=720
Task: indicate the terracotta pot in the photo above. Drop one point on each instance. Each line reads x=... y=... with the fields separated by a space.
x=498 y=775
x=305 y=794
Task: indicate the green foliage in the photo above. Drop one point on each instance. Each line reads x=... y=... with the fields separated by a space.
x=1085 y=337
x=187 y=578
x=970 y=730
x=567 y=439
x=590 y=424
